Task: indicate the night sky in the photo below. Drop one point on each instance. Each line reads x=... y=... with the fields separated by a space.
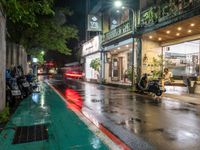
x=78 y=19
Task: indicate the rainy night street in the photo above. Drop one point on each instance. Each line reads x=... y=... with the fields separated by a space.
x=139 y=121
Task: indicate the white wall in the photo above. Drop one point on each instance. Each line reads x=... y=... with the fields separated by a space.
x=89 y=72
x=3 y=60
x=16 y=55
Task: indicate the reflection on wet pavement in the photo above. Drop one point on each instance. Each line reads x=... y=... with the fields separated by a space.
x=165 y=125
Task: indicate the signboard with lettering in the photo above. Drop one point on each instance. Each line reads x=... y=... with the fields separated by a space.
x=91 y=46
x=118 y=31
x=94 y=23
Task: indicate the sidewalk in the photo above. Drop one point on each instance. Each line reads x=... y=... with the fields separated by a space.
x=188 y=98
x=46 y=123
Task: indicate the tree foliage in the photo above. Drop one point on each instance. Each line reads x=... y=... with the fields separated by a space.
x=27 y=11
x=33 y=24
x=37 y=53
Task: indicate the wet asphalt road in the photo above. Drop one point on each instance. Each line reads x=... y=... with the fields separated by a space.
x=139 y=121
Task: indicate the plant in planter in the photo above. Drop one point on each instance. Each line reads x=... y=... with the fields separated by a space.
x=157 y=64
x=95 y=64
x=4 y=115
x=128 y=73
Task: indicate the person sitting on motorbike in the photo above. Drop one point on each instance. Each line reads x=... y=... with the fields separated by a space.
x=143 y=83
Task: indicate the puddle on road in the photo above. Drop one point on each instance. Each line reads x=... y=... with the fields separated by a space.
x=97 y=100
x=132 y=120
x=184 y=110
x=166 y=134
x=177 y=135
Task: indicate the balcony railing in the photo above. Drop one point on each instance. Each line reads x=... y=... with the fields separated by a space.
x=119 y=31
x=166 y=11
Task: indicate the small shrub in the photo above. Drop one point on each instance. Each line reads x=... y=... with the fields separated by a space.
x=4 y=115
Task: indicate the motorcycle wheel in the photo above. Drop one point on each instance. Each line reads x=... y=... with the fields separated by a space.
x=158 y=93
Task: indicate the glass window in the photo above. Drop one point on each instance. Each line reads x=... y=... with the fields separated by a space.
x=183 y=59
x=118 y=18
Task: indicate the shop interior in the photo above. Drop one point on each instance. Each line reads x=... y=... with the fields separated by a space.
x=183 y=59
x=179 y=46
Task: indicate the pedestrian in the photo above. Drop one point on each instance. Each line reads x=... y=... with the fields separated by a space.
x=167 y=75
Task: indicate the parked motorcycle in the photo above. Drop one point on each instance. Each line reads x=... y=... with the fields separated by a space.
x=13 y=93
x=152 y=86
x=32 y=81
x=24 y=86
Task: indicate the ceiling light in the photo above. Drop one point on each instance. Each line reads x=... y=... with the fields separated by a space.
x=118 y=48
x=168 y=32
x=192 y=24
x=189 y=31
x=177 y=34
x=127 y=45
x=160 y=39
x=179 y=28
x=150 y=37
x=118 y=11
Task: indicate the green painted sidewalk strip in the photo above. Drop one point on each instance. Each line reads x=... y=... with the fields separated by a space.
x=66 y=131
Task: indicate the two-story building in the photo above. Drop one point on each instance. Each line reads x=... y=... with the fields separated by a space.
x=150 y=35
x=117 y=42
x=170 y=33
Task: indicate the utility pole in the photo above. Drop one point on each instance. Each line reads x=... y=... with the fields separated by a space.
x=87 y=34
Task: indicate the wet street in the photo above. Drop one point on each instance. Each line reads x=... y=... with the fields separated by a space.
x=139 y=121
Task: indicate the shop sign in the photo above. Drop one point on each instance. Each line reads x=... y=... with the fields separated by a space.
x=94 y=23
x=91 y=46
x=118 y=31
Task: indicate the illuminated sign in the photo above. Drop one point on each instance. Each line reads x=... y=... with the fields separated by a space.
x=91 y=46
x=94 y=23
x=118 y=31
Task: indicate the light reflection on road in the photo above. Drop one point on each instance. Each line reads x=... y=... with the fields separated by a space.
x=167 y=125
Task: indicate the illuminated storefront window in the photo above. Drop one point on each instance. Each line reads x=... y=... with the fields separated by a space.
x=183 y=59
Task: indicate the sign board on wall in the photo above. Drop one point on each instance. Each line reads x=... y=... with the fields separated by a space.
x=91 y=46
x=118 y=31
x=94 y=23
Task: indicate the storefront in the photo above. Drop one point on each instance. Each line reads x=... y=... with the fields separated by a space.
x=121 y=54
x=90 y=53
x=118 y=60
x=176 y=47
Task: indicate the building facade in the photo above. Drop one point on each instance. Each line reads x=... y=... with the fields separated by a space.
x=170 y=33
x=91 y=53
x=150 y=35
x=119 y=48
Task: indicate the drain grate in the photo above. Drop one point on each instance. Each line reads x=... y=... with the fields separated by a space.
x=25 y=134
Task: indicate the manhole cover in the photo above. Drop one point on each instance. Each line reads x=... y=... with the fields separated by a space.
x=25 y=134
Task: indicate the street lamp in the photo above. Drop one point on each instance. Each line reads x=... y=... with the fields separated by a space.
x=42 y=52
x=118 y=4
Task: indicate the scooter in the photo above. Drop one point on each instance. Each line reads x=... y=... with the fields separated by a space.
x=32 y=81
x=24 y=86
x=13 y=93
x=152 y=86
